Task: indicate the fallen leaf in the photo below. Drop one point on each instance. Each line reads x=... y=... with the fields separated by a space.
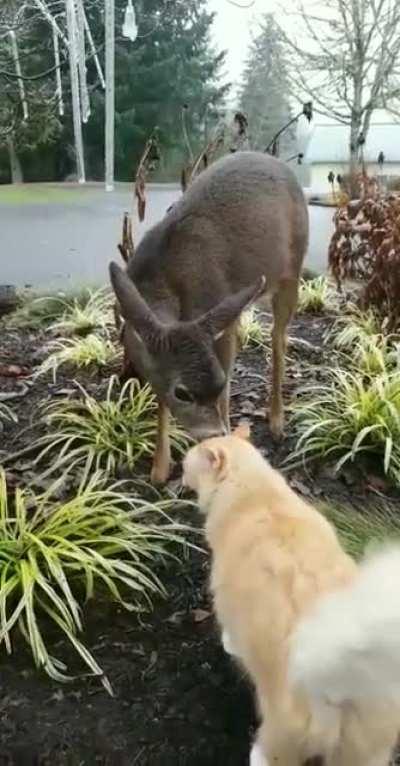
x=261 y=413
x=176 y=618
x=247 y=407
x=300 y=487
x=58 y=696
x=253 y=395
x=64 y=392
x=152 y=663
x=378 y=484
x=13 y=371
x=200 y=615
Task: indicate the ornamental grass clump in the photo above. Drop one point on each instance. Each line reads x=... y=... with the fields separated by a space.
x=107 y=434
x=365 y=348
x=357 y=328
x=352 y=416
x=90 y=351
x=252 y=333
x=55 y=555
x=40 y=312
x=316 y=296
x=361 y=528
x=82 y=317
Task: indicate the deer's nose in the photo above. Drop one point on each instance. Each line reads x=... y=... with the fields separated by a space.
x=203 y=432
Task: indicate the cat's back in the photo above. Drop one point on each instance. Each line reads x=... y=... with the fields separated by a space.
x=278 y=563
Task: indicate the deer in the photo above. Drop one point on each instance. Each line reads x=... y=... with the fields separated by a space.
x=238 y=234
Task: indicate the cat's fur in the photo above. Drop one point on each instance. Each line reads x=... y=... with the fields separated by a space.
x=275 y=562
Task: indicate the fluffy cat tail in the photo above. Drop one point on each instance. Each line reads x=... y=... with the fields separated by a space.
x=348 y=649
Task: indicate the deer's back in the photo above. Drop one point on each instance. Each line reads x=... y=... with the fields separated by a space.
x=243 y=217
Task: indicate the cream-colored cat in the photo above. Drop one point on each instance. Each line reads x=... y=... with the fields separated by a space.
x=319 y=637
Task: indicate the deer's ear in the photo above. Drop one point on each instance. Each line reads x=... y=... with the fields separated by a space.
x=217 y=459
x=225 y=313
x=242 y=431
x=135 y=309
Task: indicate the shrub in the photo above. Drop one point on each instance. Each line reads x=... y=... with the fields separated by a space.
x=251 y=331
x=54 y=556
x=315 y=296
x=365 y=245
x=352 y=415
x=393 y=183
x=106 y=435
x=88 y=351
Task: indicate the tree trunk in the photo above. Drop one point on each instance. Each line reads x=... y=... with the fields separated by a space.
x=355 y=129
x=367 y=121
x=15 y=165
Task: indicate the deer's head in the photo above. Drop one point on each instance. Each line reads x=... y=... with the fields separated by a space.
x=179 y=359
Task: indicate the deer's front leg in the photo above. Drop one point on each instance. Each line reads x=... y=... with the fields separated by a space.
x=162 y=457
x=224 y=406
x=226 y=348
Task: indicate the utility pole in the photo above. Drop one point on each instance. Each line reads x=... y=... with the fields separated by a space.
x=109 y=21
x=76 y=106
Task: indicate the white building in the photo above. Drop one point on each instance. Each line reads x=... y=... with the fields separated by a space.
x=328 y=149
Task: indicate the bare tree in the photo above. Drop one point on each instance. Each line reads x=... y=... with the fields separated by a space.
x=30 y=100
x=345 y=55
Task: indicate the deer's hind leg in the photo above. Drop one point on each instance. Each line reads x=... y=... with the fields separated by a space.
x=284 y=304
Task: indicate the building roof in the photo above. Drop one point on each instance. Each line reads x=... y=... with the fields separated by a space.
x=329 y=142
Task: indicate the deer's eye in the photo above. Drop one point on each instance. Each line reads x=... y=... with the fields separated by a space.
x=183 y=395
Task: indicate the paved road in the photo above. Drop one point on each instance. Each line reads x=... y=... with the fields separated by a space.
x=60 y=238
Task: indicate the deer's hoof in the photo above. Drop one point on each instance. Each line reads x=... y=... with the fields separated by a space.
x=276 y=425
x=160 y=474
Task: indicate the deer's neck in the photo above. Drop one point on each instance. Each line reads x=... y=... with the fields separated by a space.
x=179 y=254
x=148 y=270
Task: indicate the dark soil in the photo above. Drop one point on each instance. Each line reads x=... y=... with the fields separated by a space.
x=178 y=698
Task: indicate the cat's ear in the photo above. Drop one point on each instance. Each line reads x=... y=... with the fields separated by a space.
x=217 y=459
x=242 y=431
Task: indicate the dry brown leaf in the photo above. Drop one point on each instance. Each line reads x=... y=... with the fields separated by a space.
x=200 y=615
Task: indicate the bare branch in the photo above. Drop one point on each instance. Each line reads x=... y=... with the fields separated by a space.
x=349 y=61
x=239 y=5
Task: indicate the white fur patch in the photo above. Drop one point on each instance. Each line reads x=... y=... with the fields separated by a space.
x=348 y=649
x=256 y=756
x=227 y=643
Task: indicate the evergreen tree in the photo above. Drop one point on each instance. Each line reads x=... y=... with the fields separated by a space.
x=264 y=91
x=171 y=64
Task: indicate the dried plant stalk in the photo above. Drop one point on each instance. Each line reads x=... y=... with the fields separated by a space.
x=148 y=162
x=126 y=247
x=203 y=159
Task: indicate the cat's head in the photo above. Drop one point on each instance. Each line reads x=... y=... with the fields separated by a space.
x=208 y=464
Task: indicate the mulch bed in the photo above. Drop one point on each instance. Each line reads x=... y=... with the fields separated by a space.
x=178 y=698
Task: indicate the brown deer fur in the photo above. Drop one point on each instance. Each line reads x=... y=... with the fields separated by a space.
x=240 y=230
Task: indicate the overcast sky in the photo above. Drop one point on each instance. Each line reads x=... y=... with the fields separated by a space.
x=232 y=31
